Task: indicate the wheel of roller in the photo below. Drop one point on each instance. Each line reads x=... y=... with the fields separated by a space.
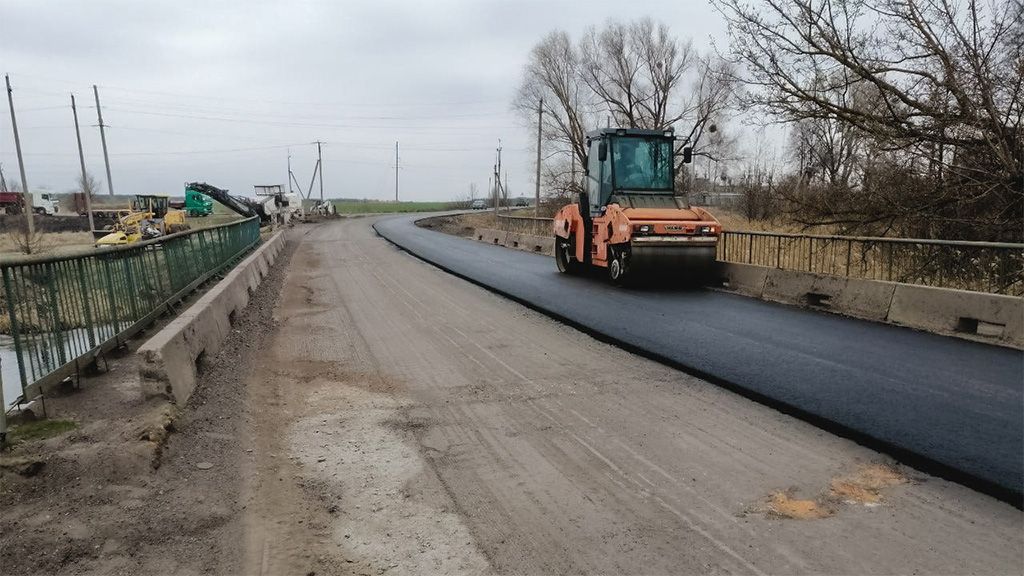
x=565 y=256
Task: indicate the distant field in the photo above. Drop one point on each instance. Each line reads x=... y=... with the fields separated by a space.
x=356 y=207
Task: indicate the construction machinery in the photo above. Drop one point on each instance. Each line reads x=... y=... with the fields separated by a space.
x=246 y=207
x=195 y=204
x=150 y=216
x=628 y=219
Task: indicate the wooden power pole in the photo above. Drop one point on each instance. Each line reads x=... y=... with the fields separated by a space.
x=86 y=186
x=103 y=139
x=28 y=207
x=320 y=167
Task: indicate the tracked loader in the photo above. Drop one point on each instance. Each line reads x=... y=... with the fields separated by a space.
x=628 y=219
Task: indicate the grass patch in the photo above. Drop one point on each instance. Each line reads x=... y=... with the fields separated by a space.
x=370 y=207
x=50 y=244
x=39 y=430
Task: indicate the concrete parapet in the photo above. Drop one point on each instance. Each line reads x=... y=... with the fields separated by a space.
x=868 y=299
x=985 y=316
x=170 y=357
x=994 y=318
x=525 y=242
x=745 y=279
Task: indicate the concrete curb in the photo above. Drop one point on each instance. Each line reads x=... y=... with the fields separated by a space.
x=169 y=358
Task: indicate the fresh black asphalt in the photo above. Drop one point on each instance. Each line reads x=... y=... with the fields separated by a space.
x=945 y=405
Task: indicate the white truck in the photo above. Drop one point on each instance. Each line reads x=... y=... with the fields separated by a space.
x=43 y=203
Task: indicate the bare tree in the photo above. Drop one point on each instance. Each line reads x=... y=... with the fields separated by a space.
x=638 y=73
x=26 y=243
x=88 y=184
x=826 y=151
x=636 y=69
x=935 y=86
x=553 y=76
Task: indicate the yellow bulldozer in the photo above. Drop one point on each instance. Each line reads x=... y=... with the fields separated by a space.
x=150 y=216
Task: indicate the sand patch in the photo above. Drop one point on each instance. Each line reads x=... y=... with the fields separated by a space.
x=865 y=486
x=784 y=505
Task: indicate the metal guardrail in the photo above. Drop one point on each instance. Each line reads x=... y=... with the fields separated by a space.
x=994 y=267
x=65 y=311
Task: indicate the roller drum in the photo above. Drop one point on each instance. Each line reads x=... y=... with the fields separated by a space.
x=691 y=262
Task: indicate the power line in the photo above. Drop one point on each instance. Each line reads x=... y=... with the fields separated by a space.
x=235 y=110
x=178 y=96
x=304 y=124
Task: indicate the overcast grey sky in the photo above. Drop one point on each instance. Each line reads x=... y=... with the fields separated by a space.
x=219 y=90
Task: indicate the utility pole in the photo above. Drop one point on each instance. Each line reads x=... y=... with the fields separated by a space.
x=320 y=167
x=86 y=186
x=28 y=205
x=316 y=170
x=536 y=194
x=3 y=181
x=3 y=409
x=497 y=179
x=293 y=180
x=396 y=171
x=289 y=170
x=103 y=139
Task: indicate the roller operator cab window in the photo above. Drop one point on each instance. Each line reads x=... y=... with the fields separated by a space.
x=642 y=164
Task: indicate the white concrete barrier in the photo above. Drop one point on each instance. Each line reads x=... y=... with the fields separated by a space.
x=868 y=299
x=169 y=358
x=983 y=316
x=994 y=318
x=745 y=279
x=524 y=242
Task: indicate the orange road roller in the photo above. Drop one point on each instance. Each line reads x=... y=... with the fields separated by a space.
x=628 y=219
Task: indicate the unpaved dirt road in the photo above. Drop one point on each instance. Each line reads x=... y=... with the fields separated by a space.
x=447 y=430
x=383 y=417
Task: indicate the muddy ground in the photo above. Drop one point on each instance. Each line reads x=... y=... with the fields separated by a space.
x=119 y=494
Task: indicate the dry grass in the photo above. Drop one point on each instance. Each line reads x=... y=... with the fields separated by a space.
x=50 y=243
x=735 y=222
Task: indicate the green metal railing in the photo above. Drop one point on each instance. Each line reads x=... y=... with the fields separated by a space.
x=995 y=267
x=62 y=312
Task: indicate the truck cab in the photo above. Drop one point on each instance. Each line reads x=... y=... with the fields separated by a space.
x=43 y=203
x=197 y=203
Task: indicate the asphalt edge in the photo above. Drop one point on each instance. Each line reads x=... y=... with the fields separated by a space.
x=902 y=455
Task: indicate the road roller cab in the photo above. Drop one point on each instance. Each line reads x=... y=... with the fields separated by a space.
x=628 y=218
